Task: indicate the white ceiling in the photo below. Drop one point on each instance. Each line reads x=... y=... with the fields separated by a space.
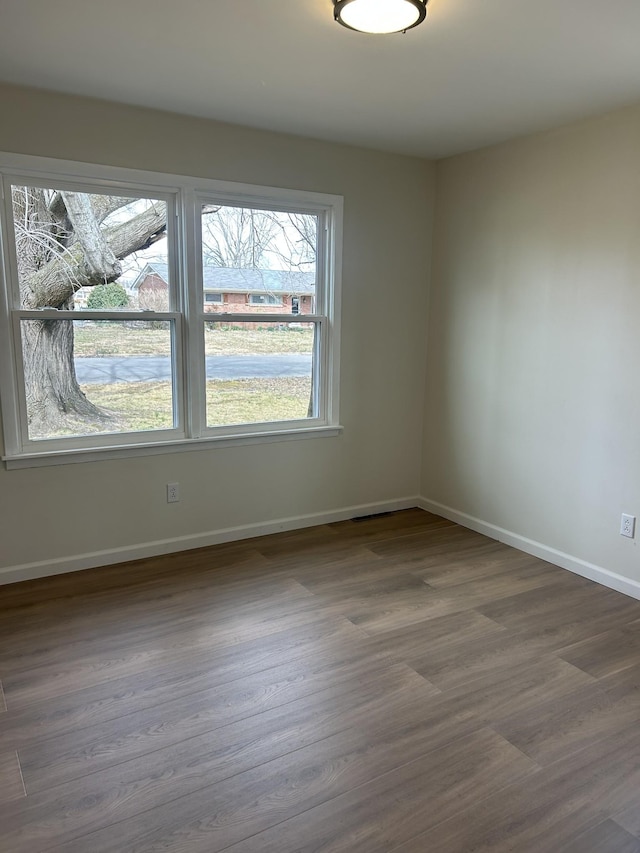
x=476 y=72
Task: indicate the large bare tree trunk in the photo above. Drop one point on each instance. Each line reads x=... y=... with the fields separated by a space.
x=55 y=400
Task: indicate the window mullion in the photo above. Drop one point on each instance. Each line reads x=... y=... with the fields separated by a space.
x=192 y=290
x=21 y=401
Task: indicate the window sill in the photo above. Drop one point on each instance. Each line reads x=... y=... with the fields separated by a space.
x=98 y=454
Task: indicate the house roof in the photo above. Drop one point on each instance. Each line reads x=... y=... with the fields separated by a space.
x=233 y=280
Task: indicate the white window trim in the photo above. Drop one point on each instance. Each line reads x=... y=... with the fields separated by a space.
x=188 y=192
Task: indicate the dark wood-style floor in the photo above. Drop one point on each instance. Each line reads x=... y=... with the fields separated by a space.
x=390 y=685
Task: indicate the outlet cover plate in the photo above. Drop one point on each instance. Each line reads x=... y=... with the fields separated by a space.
x=628 y=525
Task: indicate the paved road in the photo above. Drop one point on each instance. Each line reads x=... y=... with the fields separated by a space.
x=92 y=371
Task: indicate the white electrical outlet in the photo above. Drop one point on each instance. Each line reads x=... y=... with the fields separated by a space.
x=628 y=525
x=173 y=493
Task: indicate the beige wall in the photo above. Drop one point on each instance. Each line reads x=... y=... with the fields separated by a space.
x=532 y=405
x=57 y=512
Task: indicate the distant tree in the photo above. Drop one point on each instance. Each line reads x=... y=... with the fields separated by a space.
x=254 y=239
x=297 y=239
x=237 y=237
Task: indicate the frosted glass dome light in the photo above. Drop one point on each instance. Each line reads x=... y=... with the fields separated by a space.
x=380 y=16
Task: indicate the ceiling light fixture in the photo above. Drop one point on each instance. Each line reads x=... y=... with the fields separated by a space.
x=380 y=16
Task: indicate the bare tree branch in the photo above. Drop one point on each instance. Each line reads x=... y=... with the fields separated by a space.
x=94 y=256
x=100 y=263
x=104 y=205
x=139 y=232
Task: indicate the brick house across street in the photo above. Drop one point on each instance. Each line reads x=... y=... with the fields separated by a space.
x=230 y=290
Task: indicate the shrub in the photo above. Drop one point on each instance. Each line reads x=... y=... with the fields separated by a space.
x=107 y=296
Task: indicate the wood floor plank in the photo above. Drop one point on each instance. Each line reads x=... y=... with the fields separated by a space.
x=623 y=683
x=47 y=760
x=542 y=833
x=576 y=601
x=321 y=539
x=510 y=692
x=524 y=575
x=159 y=626
x=341 y=559
x=555 y=728
x=34 y=598
x=493 y=561
x=160 y=609
x=606 y=653
x=463 y=662
x=226 y=627
x=258 y=747
x=568 y=617
x=629 y=818
x=11 y=782
x=410 y=643
x=443 y=543
x=199 y=667
x=377 y=816
x=389 y=525
x=433 y=558
x=378 y=605
x=607 y=837
x=547 y=810
x=347 y=569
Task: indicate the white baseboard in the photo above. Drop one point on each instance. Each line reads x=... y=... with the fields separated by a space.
x=94 y=559
x=537 y=549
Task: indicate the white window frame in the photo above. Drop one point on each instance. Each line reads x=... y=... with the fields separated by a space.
x=187 y=316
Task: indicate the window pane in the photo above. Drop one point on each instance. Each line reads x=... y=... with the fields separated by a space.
x=259 y=261
x=259 y=372
x=88 y=251
x=84 y=377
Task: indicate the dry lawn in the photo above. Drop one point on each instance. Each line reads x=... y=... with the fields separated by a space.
x=105 y=339
x=147 y=405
